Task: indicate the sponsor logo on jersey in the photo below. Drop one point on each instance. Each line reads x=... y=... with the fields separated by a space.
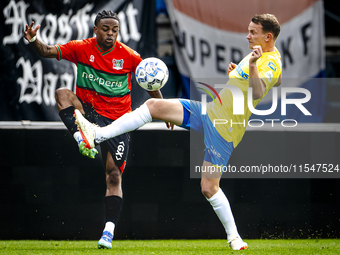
x=91 y=58
x=103 y=83
x=240 y=71
x=272 y=66
x=117 y=64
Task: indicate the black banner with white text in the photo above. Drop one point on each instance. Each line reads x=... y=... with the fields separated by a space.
x=28 y=82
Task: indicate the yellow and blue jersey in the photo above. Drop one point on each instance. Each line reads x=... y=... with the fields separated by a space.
x=234 y=126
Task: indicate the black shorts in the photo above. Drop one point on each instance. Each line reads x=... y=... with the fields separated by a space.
x=117 y=146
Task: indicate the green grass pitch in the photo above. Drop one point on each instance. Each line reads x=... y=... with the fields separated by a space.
x=258 y=246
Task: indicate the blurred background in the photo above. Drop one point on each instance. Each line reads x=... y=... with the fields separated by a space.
x=49 y=191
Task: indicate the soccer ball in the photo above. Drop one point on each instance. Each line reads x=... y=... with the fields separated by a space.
x=152 y=74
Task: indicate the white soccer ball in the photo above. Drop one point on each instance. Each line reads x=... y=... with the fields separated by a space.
x=152 y=74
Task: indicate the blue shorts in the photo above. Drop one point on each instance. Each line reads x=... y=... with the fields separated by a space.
x=217 y=149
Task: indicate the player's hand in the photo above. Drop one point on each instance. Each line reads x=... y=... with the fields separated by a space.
x=169 y=125
x=256 y=54
x=30 y=32
x=90 y=153
x=231 y=67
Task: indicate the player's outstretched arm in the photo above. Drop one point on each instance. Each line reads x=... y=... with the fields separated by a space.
x=155 y=94
x=41 y=48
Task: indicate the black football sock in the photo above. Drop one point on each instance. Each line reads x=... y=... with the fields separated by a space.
x=67 y=117
x=112 y=208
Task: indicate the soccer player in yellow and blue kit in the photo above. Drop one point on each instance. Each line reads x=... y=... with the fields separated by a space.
x=259 y=70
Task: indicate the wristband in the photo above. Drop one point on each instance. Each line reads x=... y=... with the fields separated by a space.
x=33 y=39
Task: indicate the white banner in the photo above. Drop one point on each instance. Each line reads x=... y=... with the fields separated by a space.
x=204 y=51
x=209 y=35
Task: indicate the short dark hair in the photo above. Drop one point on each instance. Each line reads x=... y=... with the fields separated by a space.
x=269 y=23
x=106 y=15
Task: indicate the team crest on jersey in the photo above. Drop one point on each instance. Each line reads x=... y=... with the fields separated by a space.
x=269 y=75
x=117 y=64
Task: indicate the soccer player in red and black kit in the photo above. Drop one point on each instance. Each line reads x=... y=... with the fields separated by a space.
x=104 y=67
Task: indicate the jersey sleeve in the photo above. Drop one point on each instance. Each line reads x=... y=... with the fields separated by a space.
x=135 y=60
x=270 y=71
x=68 y=51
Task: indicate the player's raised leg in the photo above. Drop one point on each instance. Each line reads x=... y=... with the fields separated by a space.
x=219 y=202
x=169 y=110
x=67 y=102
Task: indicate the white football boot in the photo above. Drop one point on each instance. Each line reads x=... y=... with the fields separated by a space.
x=87 y=130
x=238 y=244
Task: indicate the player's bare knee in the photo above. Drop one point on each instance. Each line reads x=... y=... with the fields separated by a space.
x=113 y=177
x=208 y=189
x=151 y=103
x=206 y=192
x=156 y=107
x=61 y=94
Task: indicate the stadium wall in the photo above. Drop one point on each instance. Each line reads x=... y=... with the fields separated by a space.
x=49 y=191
